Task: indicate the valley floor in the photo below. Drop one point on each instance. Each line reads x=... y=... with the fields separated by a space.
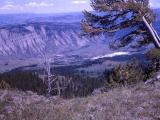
x=141 y=102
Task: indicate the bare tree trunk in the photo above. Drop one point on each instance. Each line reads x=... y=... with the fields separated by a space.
x=58 y=88
x=152 y=32
x=47 y=75
x=49 y=78
x=155 y=32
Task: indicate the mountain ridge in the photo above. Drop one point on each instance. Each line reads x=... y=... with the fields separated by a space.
x=59 y=37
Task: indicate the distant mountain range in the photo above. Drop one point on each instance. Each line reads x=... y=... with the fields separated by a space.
x=18 y=19
x=23 y=38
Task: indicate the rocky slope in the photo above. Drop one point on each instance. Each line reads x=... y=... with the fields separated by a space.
x=23 y=45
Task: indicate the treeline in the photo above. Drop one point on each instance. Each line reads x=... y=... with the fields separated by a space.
x=23 y=80
x=80 y=86
x=74 y=85
x=71 y=86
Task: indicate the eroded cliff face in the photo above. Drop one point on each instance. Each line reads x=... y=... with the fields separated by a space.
x=59 y=38
x=25 y=43
x=31 y=39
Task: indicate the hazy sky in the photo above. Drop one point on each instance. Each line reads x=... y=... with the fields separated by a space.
x=50 y=6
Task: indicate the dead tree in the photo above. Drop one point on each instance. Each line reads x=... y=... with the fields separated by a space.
x=153 y=32
x=50 y=78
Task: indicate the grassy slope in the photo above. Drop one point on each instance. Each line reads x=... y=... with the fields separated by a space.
x=137 y=103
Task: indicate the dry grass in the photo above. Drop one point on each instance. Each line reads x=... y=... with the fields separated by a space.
x=137 y=103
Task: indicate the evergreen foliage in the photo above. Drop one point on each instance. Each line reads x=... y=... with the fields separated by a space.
x=110 y=16
x=80 y=86
x=123 y=75
x=24 y=80
x=70 y=86
x=154 y=56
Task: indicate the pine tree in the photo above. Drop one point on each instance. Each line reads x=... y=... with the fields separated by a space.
x=110 y=16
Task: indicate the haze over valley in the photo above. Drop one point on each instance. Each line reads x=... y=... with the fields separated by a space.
x=24 y=38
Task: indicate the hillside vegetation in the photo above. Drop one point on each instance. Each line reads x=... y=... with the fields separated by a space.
x=141 y=102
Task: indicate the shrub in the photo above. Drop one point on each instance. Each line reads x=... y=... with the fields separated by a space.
x=126 y=74
x=4 y=85
x=154 y=56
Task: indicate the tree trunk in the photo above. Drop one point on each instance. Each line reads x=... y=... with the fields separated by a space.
x=49 y=79
x=153 y=33
x=58 y=88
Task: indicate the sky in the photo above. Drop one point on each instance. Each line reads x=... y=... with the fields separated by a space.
x=50 y=6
